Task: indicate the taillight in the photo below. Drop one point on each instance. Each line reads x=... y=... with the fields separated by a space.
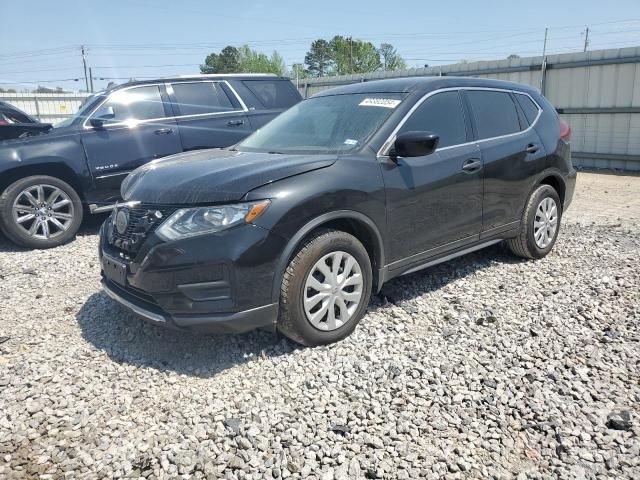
x=565 y=130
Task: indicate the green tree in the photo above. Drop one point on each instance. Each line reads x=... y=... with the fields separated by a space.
x=8 y=90
x=390 y=58
x=353 y=56
x=243 y=60
x=298 y=71
x=227 y=61
x=318 y=59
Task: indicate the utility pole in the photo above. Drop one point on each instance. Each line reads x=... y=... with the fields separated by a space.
x=586 y=39
x=84 y=64
x=351 y=55
x=543 y=68
x=90 y=79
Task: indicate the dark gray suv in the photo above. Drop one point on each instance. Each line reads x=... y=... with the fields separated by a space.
x=48 y=181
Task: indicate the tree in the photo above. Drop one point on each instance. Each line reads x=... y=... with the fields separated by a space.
x=512 y=56
x=8 y=90
x=390 y=58
x=111 y=84
x=318 y=59
x=298 y=71
x=354 y=56
x=243 y=60
x=42 y=89
x=227 y=61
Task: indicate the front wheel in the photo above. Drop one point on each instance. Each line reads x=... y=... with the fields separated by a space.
x=40 y=212
x=325 y=289
x=540 y=224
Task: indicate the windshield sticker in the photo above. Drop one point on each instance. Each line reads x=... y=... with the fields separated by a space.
x=350 y=141
x=380 y=102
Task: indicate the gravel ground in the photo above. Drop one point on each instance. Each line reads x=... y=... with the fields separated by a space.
x=484 y=367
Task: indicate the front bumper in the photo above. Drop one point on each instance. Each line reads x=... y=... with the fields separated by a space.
x=218 y=283
x=236 y=322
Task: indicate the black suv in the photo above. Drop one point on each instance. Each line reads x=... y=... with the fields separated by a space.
x=297 y=224
x=47 y=181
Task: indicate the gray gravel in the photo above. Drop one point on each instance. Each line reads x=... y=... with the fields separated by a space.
x=484 y=367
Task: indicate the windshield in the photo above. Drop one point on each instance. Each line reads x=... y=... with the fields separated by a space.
x=328 y=124
x=84 y=110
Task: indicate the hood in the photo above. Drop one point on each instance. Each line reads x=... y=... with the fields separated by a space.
x=42 y=132
x=213 y=176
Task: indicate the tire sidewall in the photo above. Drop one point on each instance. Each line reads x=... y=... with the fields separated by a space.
x=540 y=194
x=339 y=242
x=15 y=233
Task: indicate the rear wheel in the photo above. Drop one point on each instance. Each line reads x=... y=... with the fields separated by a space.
x=40 y=212
x=540 y=224
x=325 y=289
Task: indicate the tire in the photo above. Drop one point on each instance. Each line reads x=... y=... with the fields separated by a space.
x=525 y=244
x=62 y=212
x=329 y=246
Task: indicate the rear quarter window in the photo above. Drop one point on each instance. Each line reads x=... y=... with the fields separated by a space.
x=529 y=108
x=495 y=113
x=273 y=93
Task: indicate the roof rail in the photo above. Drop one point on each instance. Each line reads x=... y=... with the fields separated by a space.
x=205 y=75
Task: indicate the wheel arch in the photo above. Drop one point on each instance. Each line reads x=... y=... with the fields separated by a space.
x=52 y=169
x=352 y=222
x=554 y=179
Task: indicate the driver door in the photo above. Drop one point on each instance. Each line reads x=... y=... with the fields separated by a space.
x=434 y=202
x=133 y=127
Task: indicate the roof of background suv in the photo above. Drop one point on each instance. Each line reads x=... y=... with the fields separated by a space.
x=203 y=76
x=423 y=85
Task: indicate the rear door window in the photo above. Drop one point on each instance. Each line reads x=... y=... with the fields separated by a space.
x=529 y=108
x=200 y=98
x=442 y=114
x=273 y=93
x=495 y=113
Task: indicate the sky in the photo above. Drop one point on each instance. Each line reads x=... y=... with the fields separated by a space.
x=40 y=39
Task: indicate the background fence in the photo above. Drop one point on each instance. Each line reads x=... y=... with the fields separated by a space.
x=47 y=107
x=596 y=92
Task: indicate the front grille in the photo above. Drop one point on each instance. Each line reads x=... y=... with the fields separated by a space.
x=143 y=220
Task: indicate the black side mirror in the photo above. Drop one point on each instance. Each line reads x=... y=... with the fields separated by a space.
x=415 y=144
x=101 y=116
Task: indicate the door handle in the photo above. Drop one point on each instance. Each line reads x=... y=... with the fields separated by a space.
x=472 y=165
x=532 y=148
x=235 y=123
x=163 y=131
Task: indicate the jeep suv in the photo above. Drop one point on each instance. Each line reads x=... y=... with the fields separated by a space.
x=294 y=227
x=47 y=181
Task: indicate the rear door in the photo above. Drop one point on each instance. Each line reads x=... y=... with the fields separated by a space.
x=434 y=203
x=140 y=130
x=511 y=152
x=275 y=95
x=209 y=114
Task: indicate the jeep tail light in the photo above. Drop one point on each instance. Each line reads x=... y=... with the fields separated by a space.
x=565 y=130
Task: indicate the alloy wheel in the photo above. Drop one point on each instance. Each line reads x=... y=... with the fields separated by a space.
x=43 y=211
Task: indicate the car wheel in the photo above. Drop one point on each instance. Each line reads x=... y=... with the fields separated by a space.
x=540 y=224
x=40 y=212
x=325 y=289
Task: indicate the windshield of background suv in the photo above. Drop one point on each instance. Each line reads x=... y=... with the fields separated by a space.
x=328 y=124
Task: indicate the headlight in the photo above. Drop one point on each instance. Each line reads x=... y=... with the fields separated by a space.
x=188 y=222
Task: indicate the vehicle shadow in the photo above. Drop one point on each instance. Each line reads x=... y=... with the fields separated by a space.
x=90 y=226
x=130 y=340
